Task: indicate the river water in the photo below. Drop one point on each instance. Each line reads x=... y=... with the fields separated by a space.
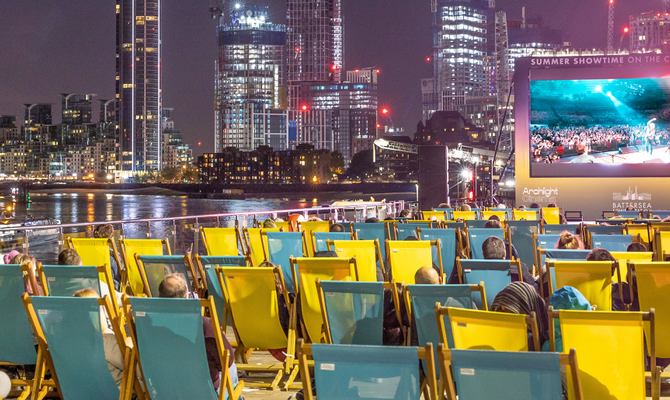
x=86 y=207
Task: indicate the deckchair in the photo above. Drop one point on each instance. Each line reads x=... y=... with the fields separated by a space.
x=254 y=301
x=221 y=241
x=520 y=234
x=592 y=278
x=437 y=215
x=449 y=243
x=407 y=257
x=524 y=215
x=557 y=229
x=306 y=273
x=502 y=375
x=591 y=230
x=662 y=245
x=611 y=242
x=69 y=332
x=153 y=269
x=368 y=257
x=310 y=227
x=98 y=252
x=544 y=241
x=496 y=275
x=476 y=223
x=352 y=312
x=143 y=247
x=64 y=280
x=420 y=305
x=641 y=231
x=503 y=215
x=611 y=351
x=626 y=257
x=281 y=247
x=477 y=237
x=660 y=213
x=370 y=231
x=653 y=291
x=368 y=372
x=455 y=225
x=320 y=239
x=207 y=268
x=487 y=330
x=256 y=244
x=551 y=215
x=172 y=329
x=464 y=215
x=17 y=346
x=408 y=229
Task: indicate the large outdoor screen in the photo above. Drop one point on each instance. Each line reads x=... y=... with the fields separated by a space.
x=600 y=127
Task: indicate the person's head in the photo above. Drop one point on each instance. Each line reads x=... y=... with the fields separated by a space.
x=269 y=224
x=404 y=213
x=580 y=149
x=599 y=254
x=86 y=292
x=69 y=257
x=637 y=248
x=522 y=207
x=465 y=207
x=534 y=205
x=494 y=218
x=427 y=276
x=371 y=220
x=493 y=223
x=411 y=237
x=337 y=228
x=551 y=205
x=569 y=241
x=325 y=253
x=522 y=298
x=173 y=286
x=443 y=205
x=7 y=258
x=494 y=249
x=105 y=231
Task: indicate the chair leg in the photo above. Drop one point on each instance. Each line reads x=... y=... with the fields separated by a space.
x=291 y=378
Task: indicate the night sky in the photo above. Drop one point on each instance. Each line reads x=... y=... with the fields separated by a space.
x=52 y=46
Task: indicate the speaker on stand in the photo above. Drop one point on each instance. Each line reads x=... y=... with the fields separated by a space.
x=433 y=176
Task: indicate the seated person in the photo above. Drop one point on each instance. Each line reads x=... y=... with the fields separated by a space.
x=522 y=298
x=569 y=241
x=174 y=286
x=427 y=276
x=495 y=249
x=337 y=228
x=71 y=257
x=106 y=231
x=30 y=283
x=113 y=354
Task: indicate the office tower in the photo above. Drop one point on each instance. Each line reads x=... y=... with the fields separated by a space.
x=77 y=115
x=315 y=56
x=250 y=81
x=176 y=153
x=649 y=31
x=138 y=80
x=461 y=46
x=530 y=38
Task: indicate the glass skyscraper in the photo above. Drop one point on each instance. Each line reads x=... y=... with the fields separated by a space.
x=138 y=84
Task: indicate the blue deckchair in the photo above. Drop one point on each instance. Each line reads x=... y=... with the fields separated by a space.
x=611 y=242
x=477 y=236
x=153 y=269
x=353 y=312
x=521 y=236
x=496 y=275
x=207 y=265
x=64 y=280
x=557 y=229
x=281 y=247
x=321 y=239
x=448 y=244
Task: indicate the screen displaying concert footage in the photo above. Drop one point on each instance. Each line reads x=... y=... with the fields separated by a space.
x=599 y=127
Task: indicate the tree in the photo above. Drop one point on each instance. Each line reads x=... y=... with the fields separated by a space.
x=170 y=174
x=362 y=165
x=336 y=163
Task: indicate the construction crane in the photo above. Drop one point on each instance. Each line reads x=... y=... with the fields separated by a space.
x=666 y=5
x=610 y=27
x=216 y=8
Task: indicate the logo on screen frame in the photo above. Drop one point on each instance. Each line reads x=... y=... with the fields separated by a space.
x=632 y=198
x=540 y=195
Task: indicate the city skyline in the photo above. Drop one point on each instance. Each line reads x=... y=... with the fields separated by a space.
x=80 y=53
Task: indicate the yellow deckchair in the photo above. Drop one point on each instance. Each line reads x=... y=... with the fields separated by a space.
x=408 y=256
x=257 y=245
x=551 y=215
x=130 y=248
x=501 y=214
x=653 y=291
x=610 y=347
x=366 y=253
x=97 y=252
x=592 y=278
x=639 y=230
x=464 y=215
x=524 y=215
x=625 y=257
x=254 y=301
x=662 y=245
x=221 y=241
x=306 y=273
x=438 y=215
x=313 y=226
x=487 y=330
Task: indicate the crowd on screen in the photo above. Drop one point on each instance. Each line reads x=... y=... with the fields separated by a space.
x=550 y=145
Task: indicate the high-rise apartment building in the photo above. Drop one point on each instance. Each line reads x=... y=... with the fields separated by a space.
x=649 y=31
x=138 y=84
x=250 y=81
x=77 y=117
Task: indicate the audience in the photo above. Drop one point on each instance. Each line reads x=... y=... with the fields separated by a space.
x=494 y=248
x=522 y=298
x=174 y=286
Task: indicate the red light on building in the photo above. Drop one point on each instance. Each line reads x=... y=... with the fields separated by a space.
x=379 y=126
x=626 y=29
x=471 y=195
x=304 y=107
x=333 y=67
x=199 y=143
x=428 y=59
x=297 y=50
x=385 y=111
x=378 y=71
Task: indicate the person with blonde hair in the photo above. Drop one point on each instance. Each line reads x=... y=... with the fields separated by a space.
x=569 y=241
x=28 y=263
